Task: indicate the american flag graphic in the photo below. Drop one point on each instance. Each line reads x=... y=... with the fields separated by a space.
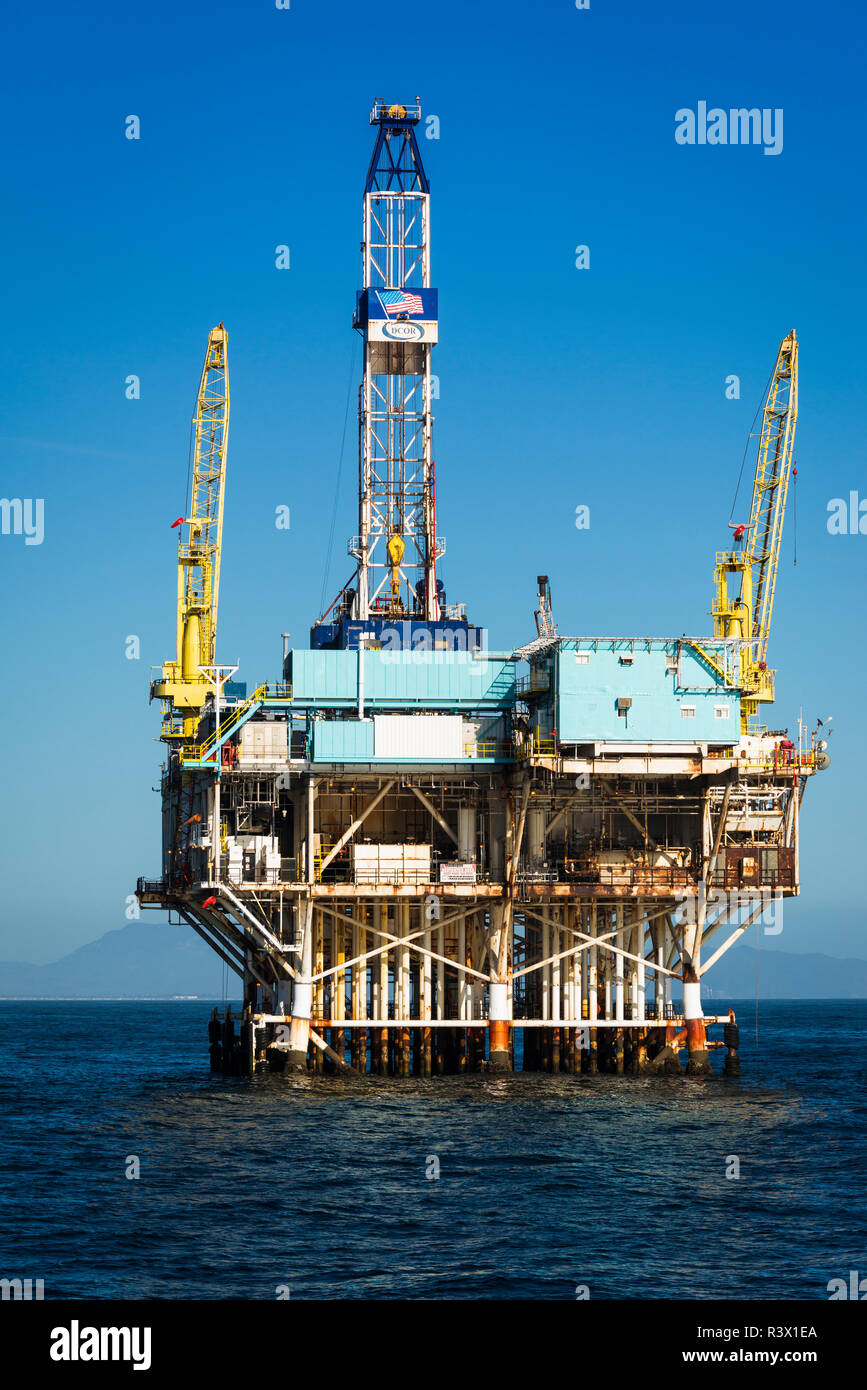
x=400 y=302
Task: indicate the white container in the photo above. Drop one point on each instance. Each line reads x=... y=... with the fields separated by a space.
x=391 y=863
x=263 y=743
x=418 y=736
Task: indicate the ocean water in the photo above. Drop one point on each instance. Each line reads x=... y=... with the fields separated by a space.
x=317 y=1187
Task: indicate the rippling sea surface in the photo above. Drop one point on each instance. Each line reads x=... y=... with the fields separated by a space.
x=319 y=1184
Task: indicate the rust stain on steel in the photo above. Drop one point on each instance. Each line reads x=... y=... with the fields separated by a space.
x=591 y=890
x=399 y=890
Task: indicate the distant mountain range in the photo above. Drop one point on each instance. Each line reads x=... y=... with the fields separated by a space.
x=142 y=960
x=784 y=975
x=156 y=961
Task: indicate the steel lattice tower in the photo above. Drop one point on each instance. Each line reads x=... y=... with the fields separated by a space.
x=396 y=546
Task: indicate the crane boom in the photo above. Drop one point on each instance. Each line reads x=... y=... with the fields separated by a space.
x=748 y=615
x=770 y=488
x=183 y=686
x=199 y=558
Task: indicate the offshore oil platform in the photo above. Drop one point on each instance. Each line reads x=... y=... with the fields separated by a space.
x=423 y=856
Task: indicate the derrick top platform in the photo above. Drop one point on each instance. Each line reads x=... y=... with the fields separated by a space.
x=395 y=113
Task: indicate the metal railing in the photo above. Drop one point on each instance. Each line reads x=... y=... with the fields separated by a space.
x=538 y=682
x=626 y=875
x=233 y=717
x=414 y=878
x=151 y=885
x=775 y=880
x=535 y=747
x=397 y=111
x=780 y=760
x=500 y=749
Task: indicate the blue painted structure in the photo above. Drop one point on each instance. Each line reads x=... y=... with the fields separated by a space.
x=661 y=678
x=394 y=634
x=396 y=163
x=401 y=680
x=342 y=740
x=369 y=305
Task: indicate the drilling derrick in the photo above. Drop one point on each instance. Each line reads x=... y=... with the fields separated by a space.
x=396 y=547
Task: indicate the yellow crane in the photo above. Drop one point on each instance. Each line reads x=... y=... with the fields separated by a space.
x=181 y=684
x=746 y=615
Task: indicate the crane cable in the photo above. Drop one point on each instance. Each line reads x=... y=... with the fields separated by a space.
x=188 y=493
x=750 y=436
x=337 y=483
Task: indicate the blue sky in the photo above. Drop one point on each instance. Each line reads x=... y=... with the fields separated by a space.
x=559 y=387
